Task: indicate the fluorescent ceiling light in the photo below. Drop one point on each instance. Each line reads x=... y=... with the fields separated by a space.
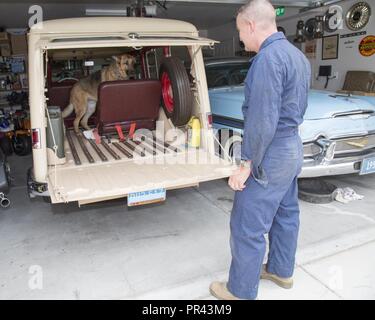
x=105 y=12
x=150 y=10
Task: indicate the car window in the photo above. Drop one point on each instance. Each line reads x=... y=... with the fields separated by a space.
x=229 y=74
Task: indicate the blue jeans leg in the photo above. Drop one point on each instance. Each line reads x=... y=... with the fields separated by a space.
x=249 y=223
x=284 y=234
x=260 y=209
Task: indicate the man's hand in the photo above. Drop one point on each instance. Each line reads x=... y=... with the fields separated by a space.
x=238 y=178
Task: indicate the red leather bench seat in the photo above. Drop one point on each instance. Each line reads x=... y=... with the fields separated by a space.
x=128 y=101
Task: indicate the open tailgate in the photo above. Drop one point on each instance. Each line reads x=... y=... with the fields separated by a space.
x=104 y=181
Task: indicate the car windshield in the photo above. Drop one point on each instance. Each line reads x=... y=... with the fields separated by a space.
x=228 y=74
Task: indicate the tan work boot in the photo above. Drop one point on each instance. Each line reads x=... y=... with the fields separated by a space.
x=220 y=291
x=286 y=283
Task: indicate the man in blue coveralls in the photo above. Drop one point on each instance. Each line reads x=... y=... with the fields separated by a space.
x=266 y=200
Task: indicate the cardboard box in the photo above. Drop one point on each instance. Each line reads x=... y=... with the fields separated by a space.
x=5 y=50
x=19 y=44
x=4 y=37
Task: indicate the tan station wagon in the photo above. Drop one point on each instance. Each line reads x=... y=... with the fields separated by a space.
x=150 y=133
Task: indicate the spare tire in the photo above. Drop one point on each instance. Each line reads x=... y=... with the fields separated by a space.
x=177 y=98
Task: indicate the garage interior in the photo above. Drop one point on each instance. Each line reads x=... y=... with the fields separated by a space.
x=175 y=248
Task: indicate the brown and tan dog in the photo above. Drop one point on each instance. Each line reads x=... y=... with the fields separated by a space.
x=84 y=93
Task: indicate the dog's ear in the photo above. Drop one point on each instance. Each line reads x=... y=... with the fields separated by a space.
x=116 y=58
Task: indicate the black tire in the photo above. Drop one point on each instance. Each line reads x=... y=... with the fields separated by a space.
x=316 y=190
x=182 y=95
x=6 y=146
x=22 y=145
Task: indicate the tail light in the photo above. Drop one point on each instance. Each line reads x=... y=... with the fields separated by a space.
x=35 y=138
x=209 y=119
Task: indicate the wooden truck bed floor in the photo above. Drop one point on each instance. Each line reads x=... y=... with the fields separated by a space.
x=96 y=172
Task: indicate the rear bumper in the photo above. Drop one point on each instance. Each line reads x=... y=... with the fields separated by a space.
x=36 y=188
x=313 y=168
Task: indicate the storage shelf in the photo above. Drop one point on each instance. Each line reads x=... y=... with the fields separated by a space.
x=16 y=90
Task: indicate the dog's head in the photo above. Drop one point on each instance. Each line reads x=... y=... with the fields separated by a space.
x=124 y=65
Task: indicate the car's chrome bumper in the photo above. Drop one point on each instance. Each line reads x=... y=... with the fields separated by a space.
x=314 y=168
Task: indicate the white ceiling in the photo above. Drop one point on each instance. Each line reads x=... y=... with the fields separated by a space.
x=204 y=14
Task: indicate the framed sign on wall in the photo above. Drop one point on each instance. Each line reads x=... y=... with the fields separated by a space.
x=330 y=47
x=310 y=49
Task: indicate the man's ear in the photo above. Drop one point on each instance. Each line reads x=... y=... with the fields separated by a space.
x=251 y=26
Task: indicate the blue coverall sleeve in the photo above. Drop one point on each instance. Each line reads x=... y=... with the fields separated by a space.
x=261 y=114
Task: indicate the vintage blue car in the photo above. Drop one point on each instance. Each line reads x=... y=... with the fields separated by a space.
x=338 y=131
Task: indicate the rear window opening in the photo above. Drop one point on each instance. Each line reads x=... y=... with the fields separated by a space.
x=159 y=91
x=149 y=131
x=86 y=70
x=80 y=63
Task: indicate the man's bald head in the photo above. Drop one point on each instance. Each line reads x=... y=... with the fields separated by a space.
x=260 y=11
x=256 y=21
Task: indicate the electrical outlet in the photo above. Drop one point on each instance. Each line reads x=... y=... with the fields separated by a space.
x=335 y=75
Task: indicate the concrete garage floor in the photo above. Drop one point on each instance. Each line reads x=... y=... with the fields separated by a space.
x=173 y=250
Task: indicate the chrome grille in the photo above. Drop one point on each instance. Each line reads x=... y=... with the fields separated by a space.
x=349 y=146
x=354 y=144
x=311 y=150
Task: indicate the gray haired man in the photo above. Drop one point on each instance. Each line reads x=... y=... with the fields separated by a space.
x=266 y=201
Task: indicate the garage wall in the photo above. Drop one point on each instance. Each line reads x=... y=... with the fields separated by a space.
x=349 y=57
x=228 y=36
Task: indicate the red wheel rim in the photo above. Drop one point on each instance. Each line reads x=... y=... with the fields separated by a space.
x=167 y=92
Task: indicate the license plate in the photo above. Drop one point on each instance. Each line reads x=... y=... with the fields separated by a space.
x=368 y=166
x=146 y=197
